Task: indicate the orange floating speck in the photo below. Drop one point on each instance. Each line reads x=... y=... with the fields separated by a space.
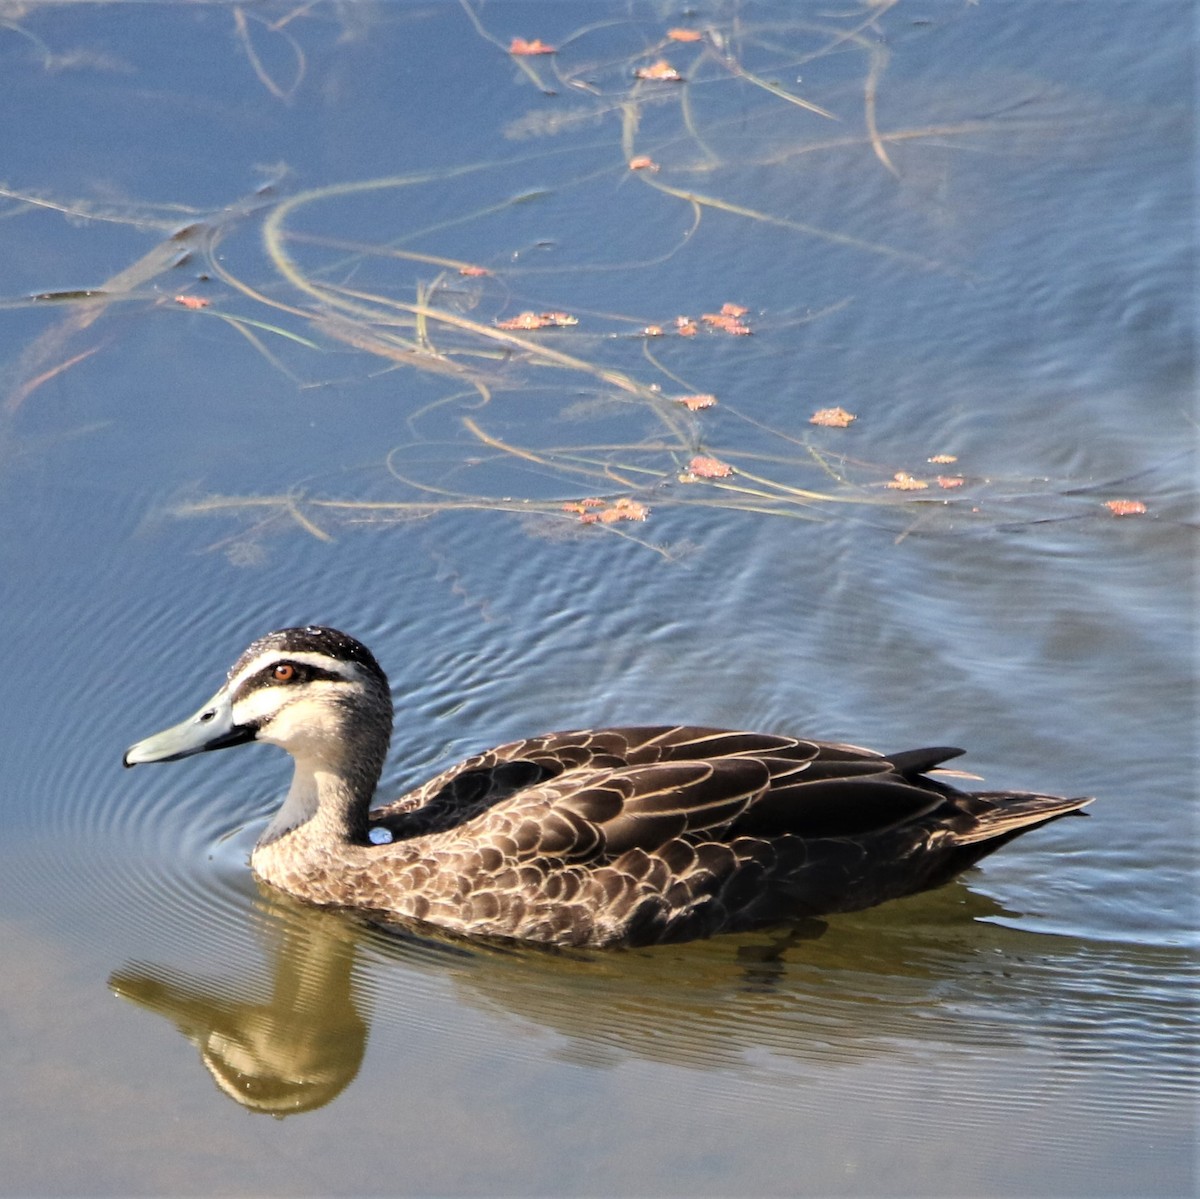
x=1125 y=507
x=659 y=72
x=520 y=47
x=538 y=320
x=702 y=467
x=726 y=322
x=832 y=418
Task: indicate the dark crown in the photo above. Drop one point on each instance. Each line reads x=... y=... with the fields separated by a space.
x=311 y=639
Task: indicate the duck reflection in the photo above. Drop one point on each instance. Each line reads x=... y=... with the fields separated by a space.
x=877 y=982
x=295 y=1050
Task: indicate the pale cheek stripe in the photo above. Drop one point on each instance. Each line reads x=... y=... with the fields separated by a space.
x=266 y=703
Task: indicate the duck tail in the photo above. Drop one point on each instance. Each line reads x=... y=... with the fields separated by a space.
x=1004 y=814
x=921 y=761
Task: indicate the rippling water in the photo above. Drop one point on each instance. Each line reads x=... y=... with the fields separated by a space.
x=1016 y=294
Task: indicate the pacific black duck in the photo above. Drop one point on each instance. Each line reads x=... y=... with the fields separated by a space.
x=598 y=837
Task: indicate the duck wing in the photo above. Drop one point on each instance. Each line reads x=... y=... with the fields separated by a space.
x=591 y=796
x=479 y=782
x=641 y=835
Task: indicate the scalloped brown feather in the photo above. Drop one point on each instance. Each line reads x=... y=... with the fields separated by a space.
x=640 y=835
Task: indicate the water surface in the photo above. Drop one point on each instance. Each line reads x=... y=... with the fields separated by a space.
x=1001 y=275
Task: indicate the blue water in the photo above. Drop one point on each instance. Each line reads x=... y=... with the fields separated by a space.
x=1013 y=288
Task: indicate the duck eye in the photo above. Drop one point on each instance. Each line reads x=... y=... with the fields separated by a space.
x=285 y=672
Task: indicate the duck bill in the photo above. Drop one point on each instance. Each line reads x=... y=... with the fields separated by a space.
x=212 y=727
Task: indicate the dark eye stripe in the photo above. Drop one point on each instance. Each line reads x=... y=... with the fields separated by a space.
x=305 y=673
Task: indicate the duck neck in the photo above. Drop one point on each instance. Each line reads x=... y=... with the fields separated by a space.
x=326 y=805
